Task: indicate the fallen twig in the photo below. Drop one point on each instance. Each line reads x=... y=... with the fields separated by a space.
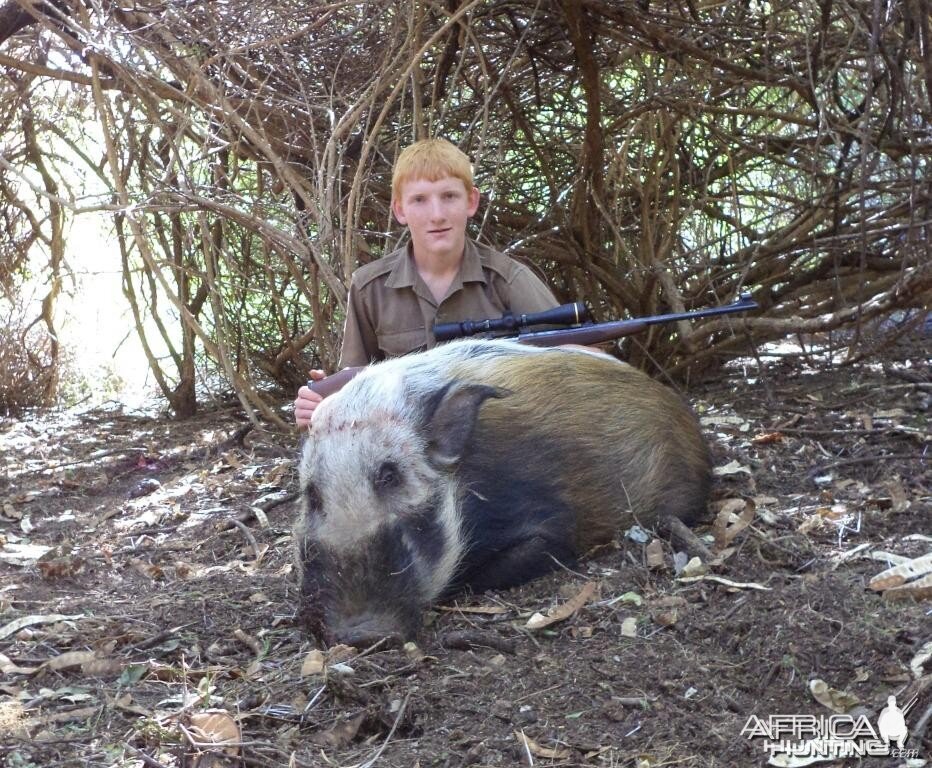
x=862 y=460
x=244 y=529
x=249 y=514
x=466 y=640
x=683 y=538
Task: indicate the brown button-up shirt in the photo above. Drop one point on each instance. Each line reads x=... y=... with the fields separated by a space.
x=391 y=311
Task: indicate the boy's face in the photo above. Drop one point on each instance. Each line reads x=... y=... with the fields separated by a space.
x=436 y=213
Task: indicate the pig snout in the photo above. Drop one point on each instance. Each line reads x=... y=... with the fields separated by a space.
x=361 y=597
x=367 y=630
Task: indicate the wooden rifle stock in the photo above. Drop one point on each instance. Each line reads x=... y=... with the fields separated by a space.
x=335 y=381
x=588 y=333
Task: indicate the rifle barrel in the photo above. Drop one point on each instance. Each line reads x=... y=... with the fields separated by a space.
x=588 y=333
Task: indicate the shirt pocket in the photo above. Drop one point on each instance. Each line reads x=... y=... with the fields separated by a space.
x=398 y=343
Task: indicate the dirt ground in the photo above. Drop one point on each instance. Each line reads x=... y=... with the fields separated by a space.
x=147 y=600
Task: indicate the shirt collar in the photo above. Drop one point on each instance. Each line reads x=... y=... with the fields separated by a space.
x=404 y=273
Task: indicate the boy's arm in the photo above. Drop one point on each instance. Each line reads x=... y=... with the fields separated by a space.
x=360 y=347
x=360 y=344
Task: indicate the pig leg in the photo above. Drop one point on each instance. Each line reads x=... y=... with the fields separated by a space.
x=526 y=558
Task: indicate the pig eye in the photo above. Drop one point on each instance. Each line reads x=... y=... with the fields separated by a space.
x=312 y=496
x=387 y=477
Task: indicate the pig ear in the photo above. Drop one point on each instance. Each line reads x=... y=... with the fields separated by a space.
x=451 y=416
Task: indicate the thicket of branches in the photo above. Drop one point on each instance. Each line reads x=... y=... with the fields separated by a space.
x=646 y=156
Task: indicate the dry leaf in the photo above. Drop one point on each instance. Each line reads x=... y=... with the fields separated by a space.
x=731 y=468
x=215 y=728
x=185 y=571
x=811 y=523
x=413 y=652
x=892 y=413
x=842 y=557
x=529 y=746
x=765 y=501
x=126 y=704
x=7 y=667
x=900 y=574
x=339 y=653
x=102 y=668
x=276 y=473
x=22 y=554
x=261 y=518
x=340 y=734
x=695 y=567
x=861 y=674
x=313 y=663
x=654 y=554
x=564 y=611
x=67 y=716
x=231 y=459
x=918 y=662
x=834 y=512
x=898 y=493
x=767 y=438
x=148 y=570
x=27 y=621
x=60 y=567
x=734 y=516
x=832 y=698
x=247 y=640
x=914 y=590
x=666 y=618
x=719 y=420
x=70 y=659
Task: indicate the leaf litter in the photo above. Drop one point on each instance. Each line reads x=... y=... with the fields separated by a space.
x=161 y=627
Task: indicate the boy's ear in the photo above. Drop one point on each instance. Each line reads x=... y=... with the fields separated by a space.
x=473 y=201
x=399 y=211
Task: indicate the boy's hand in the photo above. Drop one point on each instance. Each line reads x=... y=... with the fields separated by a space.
x=307 y=401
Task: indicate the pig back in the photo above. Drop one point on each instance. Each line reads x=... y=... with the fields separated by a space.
x=597 y=436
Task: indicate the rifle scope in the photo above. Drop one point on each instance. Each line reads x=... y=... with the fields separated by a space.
x=565 y=314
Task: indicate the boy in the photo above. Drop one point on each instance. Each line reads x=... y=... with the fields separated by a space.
x=440 y=276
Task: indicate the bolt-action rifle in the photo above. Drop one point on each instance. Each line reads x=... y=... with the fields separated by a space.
x=575 y=316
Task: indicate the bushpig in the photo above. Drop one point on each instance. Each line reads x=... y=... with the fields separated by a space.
x=479 y=465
